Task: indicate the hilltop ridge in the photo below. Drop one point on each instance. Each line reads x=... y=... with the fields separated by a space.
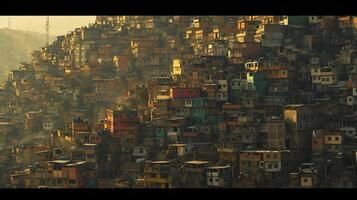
x=16 y=47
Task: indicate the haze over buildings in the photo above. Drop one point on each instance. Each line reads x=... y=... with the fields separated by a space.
x=60 y=25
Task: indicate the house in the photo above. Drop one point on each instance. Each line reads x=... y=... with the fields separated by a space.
x=159 y=174
x=177 y=70
x=180 y=151
x=218 y=48
x=228 y=152
x=272 y=35
x=326 y=142
x=323 y=76
x=6 y=130
x=256 y=81
x=31 y=121
x=219 y=176
x=254 y=162
x=175 y=126
x=185 y=93
x=123 y=124
x=194 y=174
x=246 y=30
x=92 y=154
x=300 y=120
x=56 y=176
x=275 y=131
x=80 y=125
x=278 y=78
x=309 y=175
x=76 y=175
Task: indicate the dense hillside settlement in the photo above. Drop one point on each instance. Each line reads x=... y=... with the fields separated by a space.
x=185 y=102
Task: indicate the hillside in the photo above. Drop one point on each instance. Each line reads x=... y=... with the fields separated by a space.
x=16 y=47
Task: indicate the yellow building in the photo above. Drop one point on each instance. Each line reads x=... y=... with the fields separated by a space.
x=158 y=174
x=176 y=67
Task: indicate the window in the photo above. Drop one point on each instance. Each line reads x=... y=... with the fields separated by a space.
x=72 y=181
x=276 y=165
x=337 y=138
x=329 y=138
x=268 y=156
x=91 y=156
x=210 y=179
x=275 y=156
x=249 y=164
x=141 y=150
x=305 y=180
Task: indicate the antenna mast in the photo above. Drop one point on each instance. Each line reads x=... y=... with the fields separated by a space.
x=47 y=27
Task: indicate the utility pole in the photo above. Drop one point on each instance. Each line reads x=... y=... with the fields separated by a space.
x=47 y=27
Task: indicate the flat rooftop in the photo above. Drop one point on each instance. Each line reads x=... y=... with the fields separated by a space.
x=90 y=145
x=294 y=105
x=6 y=123
x=197 y=162
x=219 y=167
x=177 y=145
x=260 y=151
x=77 y=163
x=60 y=161
x=160 y=162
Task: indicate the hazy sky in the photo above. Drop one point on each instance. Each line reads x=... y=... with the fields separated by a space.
x=60 y=25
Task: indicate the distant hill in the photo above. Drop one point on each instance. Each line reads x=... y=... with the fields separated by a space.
x=16 y=47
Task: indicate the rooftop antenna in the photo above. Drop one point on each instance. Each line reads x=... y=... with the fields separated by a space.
x=47 y=27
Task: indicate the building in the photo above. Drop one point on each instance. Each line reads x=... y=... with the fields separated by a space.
x=194 y=174
x=159 y=174
x=219 y=176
